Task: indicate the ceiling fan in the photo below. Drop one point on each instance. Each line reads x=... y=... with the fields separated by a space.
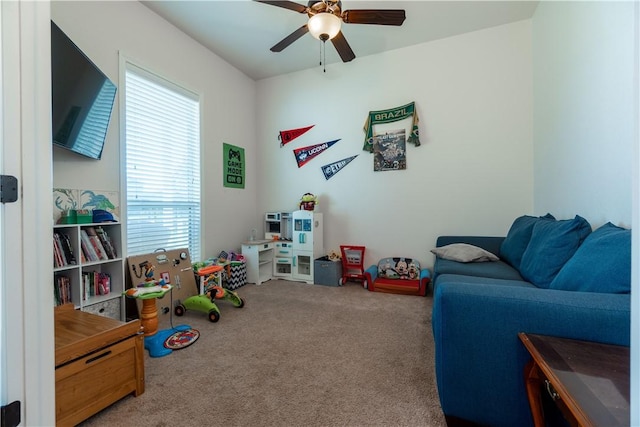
x=326 y=18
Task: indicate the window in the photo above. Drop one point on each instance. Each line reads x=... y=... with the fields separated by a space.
x=162 y=123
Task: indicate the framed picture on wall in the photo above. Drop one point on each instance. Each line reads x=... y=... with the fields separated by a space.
x=389 y=151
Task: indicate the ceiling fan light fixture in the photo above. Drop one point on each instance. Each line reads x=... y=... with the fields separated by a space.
x=324 y=26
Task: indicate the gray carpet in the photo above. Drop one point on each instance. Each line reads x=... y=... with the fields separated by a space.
x=295 y=355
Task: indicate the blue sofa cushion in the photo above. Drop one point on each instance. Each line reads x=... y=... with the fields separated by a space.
x=490 y=270
x=552 y=244
x=601 y=264
x=518 y=237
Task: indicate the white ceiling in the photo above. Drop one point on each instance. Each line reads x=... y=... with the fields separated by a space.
x=243 y=31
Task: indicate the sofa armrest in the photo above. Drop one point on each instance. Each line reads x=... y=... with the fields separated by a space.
x=425 y=279
x=371 y=274
x=489 y=243
x=479 y=358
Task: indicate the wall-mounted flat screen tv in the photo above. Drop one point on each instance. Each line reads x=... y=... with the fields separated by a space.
x=82 y=98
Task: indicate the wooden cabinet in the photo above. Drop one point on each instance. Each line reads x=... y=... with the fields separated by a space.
x=98 y=361
x=75 y=281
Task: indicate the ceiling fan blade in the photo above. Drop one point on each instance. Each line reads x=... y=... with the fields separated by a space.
x=286 y=4
x=374 y=16
x=343 y=48
x=290 y=39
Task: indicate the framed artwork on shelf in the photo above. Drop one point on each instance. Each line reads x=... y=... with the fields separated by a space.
x=66 y=200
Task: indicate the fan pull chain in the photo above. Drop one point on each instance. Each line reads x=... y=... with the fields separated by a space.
x=323 y=55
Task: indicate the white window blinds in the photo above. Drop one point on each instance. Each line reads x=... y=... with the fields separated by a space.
x=162 y=123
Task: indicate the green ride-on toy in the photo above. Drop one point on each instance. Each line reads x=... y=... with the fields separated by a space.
x=209 y=292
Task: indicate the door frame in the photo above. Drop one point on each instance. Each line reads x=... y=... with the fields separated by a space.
x=26 y=267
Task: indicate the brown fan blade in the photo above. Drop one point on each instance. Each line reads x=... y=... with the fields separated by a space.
x=343 y=48
x=286 y=4
x=290 y=39
x=374 y=16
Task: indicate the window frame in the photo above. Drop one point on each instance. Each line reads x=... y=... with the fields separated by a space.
x=124 y=64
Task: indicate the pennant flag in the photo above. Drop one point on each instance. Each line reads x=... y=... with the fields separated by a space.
x=333 y=168
x=304 y=154
x=289 y=135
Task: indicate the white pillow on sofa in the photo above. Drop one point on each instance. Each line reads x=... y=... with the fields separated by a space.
x=464 y=252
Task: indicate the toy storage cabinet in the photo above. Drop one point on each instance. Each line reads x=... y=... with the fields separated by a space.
x=98 y=361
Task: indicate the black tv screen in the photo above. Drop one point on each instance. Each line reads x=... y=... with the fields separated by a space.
x=81 y=98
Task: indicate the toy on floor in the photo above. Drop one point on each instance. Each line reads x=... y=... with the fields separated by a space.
x=154 y=339
x=210 y=290
x=398 y=275
x=353 y=264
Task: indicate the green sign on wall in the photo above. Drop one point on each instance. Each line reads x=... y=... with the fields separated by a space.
x=233 y=166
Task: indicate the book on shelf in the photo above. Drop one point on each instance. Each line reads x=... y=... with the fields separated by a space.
x=95 y=283
x=87 y=247
x=106 y=242
x=62 y=250
x=67 y=249
x=97 y=243
x=104 y=284
x=57 y=257
x=62 y=290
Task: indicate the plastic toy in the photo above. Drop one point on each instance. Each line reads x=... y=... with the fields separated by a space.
x=148 y=290
x=308 y=202
x=353 y=264
x=210 y=290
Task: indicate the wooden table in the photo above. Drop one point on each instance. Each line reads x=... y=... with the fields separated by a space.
x=588 y=381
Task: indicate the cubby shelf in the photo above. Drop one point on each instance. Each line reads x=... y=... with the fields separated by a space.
x=109 y=304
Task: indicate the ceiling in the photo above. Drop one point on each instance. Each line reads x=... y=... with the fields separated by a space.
x=242 y=31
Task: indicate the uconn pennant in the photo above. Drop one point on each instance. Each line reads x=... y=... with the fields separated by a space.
x=305 y=154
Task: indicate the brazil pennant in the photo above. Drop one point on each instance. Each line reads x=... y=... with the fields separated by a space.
x=289 y=135
x=333 y=168
x=304 y=154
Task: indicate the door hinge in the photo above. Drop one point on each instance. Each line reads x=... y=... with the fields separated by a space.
x=10 y=414
x=8 y=189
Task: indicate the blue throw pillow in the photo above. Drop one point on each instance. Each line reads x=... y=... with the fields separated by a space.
x=552 y=244
x=601 y=264
x=514 y=245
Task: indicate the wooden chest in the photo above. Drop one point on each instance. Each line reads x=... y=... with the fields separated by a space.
x=98 y=361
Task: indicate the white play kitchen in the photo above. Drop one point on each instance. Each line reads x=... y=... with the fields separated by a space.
x=293 y=240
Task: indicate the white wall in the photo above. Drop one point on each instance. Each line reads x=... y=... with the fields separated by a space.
x=473 y=173
x=102 y=30
x=586 y=122
x=583 y=73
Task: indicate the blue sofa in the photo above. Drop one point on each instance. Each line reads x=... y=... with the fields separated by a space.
x=551 y=277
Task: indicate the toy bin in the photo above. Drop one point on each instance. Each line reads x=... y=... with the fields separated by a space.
x=327 y=272
x=235 y=276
